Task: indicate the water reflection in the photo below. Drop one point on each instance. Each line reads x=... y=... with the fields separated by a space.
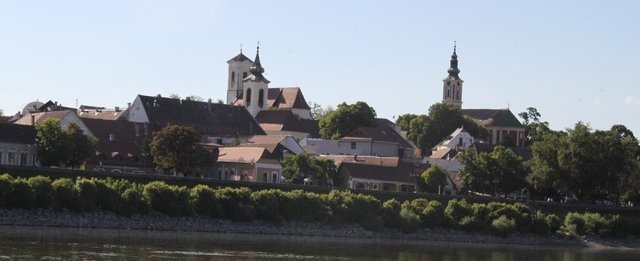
x=70 y=244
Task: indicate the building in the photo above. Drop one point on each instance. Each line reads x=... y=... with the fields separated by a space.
x=66 y=117
x=503 y=126
x=254 y=164
x=285 y=122
x=277 y=145
x=218 y=123
x=457 y=141
x=375 y=173
x=18 y=145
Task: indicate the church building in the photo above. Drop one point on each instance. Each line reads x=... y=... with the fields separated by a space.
x=502 y=124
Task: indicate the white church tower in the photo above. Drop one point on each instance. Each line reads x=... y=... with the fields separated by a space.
x=238 y=70
x=255 y=88
x=452 y=86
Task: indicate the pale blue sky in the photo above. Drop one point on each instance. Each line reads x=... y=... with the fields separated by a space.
x=573 y=60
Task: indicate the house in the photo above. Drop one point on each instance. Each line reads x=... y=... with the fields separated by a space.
x=277 y=145
x=120 y=147
x=217 y=123
x=254 y=164
x=286 y=122
x=18 y=145
x=503 y=126
x=384 y=139
x=66 y=117
x=94 y=112
x=375 y=173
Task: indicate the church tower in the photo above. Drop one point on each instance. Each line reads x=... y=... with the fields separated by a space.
x=255 y=88
x=452 y=85
x=238 y=70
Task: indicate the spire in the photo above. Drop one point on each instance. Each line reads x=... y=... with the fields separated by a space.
x=257 y=69
x=453 y=69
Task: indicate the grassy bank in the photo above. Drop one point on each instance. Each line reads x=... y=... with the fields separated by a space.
x=126 y=198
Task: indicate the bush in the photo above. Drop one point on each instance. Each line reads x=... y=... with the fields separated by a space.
x=574 y=224
x=410 y=220
x=202 y=200
x=167 y=199
x=456 y=210
x=43 y=191
x=602 y=225
x=503 y=226
x=390 y=214
x=305 y=206
x=433 y=214
x=22 y=195
x=481 y=214
x=518 y=212
x=66 y=195
x=133 y=201
x=351 y=207
x=269 y=204
x=236 y=203
x=88 y=193
x=6 y=189
x=539 y=224
x=553 y=223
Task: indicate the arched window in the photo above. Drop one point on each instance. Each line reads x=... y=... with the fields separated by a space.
x=458 y=95
x=244 y=75
x=448 y=93
x=248 y=98
x=233 y=76
x=261 y=98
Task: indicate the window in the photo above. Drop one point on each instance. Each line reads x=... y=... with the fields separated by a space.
x=244 y=75
x=274 y=177
x=359 y=185
x=23 y=159
x=0 y=157
x=233 y=76
x=261 y=98
x=458 y=95
x=448 y=93
x=247 y=99
x=219 y=174
x=11 y=158
x=353 y=145
x=265 y=177
x=375 y=187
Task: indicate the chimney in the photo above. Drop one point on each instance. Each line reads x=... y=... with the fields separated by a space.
x=187 y=98
x=128 y=105
x=33 y=120
x=117 y=109
x=209 y=105
x=159 y=96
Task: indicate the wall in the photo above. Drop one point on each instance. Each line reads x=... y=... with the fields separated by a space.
x=18 y=154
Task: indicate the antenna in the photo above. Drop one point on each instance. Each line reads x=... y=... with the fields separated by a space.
x=240 y=48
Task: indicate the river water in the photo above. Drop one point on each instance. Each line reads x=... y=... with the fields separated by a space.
x=32 y=243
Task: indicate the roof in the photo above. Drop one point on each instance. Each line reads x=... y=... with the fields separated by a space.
x=19 y=134
x=103 y=114
x=269 y=142
x=286 y=120
x=246 y=155
x=494 y=117
x=376 y=172
x=240 y=58
x=287 y=97
x=383 y=131
x=370 y=160
x=211 y=119
x=115 y=136
x=41 y=116
x=53 y=106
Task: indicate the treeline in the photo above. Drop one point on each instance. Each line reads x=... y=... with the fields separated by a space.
x=276 y=206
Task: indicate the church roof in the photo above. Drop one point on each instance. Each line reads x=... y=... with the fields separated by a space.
x=211 y=119
x=287 y=97
x=494 y=117
x=239 y=58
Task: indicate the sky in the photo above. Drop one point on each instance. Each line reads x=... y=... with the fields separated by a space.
x=572 y=60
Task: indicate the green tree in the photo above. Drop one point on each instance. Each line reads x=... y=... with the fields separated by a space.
x=534 y=129
x=345 y=119
x=321 y=171
x=584 y=164
x=435 y=178
x=81 y=146
x=177 y=148
x=428 y=130
x=54 y=145
x=500 y=171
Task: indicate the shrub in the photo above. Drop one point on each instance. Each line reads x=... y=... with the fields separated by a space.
x=481 y=214
x=167 y=199
x=236 y=203
x=66 y=195
x=503 y=226
x=269 y=204
x=456 y=210
x=88 y=193
x=410 y=220
x=574 y=224
x=43 y=191
x=433 y=214
x=202 y=200
x=553 y=223
x=22 y=195
x=6 y=189
x=518 y=212
x=108 y=196
x=539 y=224
x=390 y=214
x=305 y=206
x=602 y=225
x=133 y=201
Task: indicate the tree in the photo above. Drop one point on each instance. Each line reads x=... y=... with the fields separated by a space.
x=177 y=148
x=304 y=166
x=54 y=145
x=80 y=145
x=317 y=112
x=584 y=164
x=534 y=129
x=435 y=178
x=345 y=119
x=428 y=130
x=500 y=171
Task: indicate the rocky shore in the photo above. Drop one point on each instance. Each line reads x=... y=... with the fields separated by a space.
x=204 y=226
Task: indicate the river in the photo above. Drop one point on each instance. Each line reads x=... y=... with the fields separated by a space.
x=37 y=243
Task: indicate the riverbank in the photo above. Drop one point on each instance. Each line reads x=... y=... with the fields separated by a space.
x=15 y=222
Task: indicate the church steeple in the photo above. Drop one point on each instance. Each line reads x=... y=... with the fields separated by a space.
x=452 y=86
x=257 y=70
